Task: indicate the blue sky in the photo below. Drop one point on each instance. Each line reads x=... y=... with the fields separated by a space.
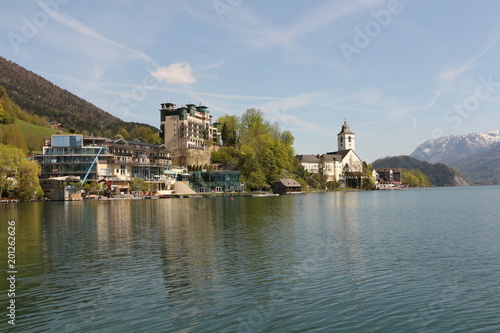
x=401 y=72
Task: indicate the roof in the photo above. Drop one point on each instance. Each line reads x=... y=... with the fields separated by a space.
x=308 y=158
x=289 y=182
x=341 y=153
x=394 y=170
x=64 y=178
x=345 y=129
x=331 y=157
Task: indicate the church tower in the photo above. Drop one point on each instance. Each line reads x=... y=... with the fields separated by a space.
x=346 y=139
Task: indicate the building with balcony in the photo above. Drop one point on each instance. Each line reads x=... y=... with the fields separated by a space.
x=187 y=127
x=116 y=160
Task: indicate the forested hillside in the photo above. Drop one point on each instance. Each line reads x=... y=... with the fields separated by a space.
x=483 y=167
x=438 y=174
x=37 y=96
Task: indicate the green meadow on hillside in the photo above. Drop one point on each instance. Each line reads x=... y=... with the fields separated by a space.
x=34 y=135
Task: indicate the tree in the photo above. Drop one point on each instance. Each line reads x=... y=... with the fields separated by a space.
x=92 y=187
x=259 y=150
x=138 y=184
x=227 y=156
x=143 y=133
x=33 y=142
x=287 y=138
x=13 y=136
x=229 y=130
x=253 y=124
x=321 y=177
x=368 y=183
x=28 y=185
x=124 y=133
x=18 y=174
x=155 y=139
x=5 y=118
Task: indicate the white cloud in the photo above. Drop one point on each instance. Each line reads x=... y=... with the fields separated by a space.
x=179 y=72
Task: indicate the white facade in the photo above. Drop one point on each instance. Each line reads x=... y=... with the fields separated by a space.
x=329 y=164
x=335 y=164
x=346 y=139
x=187 y=127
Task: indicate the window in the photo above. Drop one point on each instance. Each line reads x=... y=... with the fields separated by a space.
x=66 y=140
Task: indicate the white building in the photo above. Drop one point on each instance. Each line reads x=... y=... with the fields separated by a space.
x=346 y=138
x=336 y=165
x=187 y=127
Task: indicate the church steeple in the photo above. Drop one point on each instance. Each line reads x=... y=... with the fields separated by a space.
x=346 y=138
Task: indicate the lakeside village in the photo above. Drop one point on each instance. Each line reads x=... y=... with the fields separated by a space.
x=74 y=167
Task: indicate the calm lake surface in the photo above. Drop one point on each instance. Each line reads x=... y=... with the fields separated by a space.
x=422 y=260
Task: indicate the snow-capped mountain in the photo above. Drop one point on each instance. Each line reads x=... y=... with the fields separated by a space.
x=452 y=148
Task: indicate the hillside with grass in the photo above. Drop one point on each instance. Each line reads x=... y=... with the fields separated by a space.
x=32 y=135
x=41 y=98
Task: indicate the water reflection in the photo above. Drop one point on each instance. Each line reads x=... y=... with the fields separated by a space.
x=254 y=264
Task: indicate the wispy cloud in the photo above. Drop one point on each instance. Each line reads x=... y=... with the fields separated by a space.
x=454 y=72
x=213 y=65
x=317 y=18
x=81 y=28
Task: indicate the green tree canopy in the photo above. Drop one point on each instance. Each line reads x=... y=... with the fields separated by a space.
x=17 y=174
x=260 y=150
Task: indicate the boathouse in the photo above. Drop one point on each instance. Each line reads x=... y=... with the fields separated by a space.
x=287 y=186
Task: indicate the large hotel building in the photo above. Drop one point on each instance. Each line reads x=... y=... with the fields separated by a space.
x=187 y=127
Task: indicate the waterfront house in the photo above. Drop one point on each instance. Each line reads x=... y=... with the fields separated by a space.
x=287 y=186
x=61 y=188
x=215 y=181
x=389 y=176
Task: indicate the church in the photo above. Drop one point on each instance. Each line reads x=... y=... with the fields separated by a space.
x=339 y=164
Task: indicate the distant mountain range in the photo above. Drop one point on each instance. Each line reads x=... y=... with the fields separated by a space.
x=476 y=156
x=36 y=95
x=448 y=149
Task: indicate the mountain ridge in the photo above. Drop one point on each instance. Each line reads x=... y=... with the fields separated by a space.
x=448 y=149
x=481 y=168
x=37 y=95
x=475 y=155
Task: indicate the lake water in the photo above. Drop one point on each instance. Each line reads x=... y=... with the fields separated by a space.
x=381 y=261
